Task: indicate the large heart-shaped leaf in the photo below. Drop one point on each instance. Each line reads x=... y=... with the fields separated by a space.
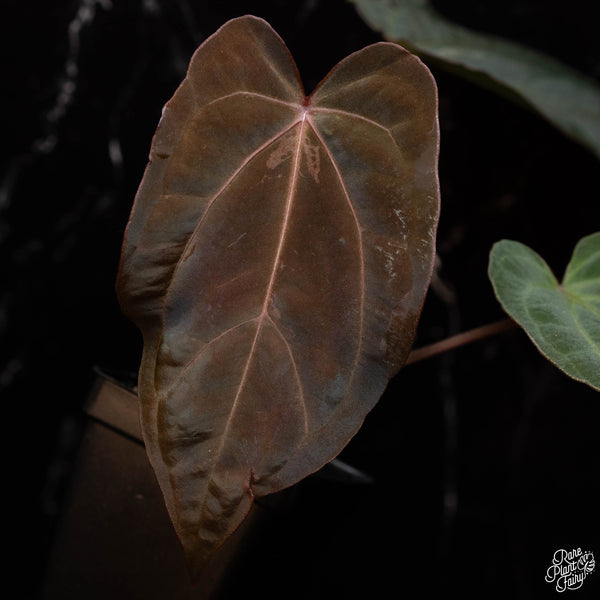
x=563 y=320
x=276 y=261
x=568 y=99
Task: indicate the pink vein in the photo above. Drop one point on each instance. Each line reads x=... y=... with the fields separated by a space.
x=297 y=375
x=360 y=243
x=356 y=116
x=200 y=352
x=294 y=105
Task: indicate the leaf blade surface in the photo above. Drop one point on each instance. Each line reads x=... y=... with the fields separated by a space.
x=276 y=262
x=563 y=320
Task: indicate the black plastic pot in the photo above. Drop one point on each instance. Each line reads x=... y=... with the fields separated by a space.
x=115 y=538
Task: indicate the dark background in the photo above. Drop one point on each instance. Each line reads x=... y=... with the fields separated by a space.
x=484 y=460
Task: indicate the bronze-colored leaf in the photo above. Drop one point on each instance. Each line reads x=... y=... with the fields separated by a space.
x=276 y=261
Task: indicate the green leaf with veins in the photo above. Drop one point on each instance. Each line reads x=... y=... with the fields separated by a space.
x=563 y=320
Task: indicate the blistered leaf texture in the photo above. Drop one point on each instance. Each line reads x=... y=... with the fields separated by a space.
x=563 y=320
x=276 y=261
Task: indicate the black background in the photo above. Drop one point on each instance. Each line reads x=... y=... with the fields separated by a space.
x=494 y=422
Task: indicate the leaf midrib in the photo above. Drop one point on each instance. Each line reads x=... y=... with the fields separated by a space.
x=264 y=314
x=268 y=293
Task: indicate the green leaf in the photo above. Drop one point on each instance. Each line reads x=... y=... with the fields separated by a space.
x=563 y=320
x=568 y=99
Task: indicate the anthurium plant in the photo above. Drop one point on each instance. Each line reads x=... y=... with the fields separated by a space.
x=281 y=245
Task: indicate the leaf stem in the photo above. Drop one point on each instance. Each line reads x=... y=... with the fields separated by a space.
x=461 y=339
